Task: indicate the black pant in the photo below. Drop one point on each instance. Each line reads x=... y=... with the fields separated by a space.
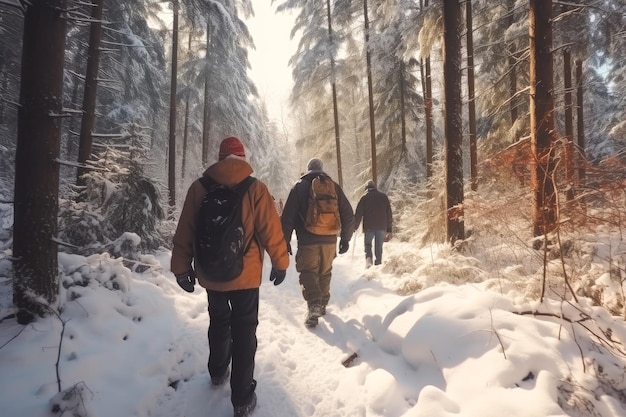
x=234 y=316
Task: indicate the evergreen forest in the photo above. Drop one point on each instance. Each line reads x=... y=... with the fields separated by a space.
x=456 y=109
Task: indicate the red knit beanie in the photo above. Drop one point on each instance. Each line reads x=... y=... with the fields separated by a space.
x=231 y=146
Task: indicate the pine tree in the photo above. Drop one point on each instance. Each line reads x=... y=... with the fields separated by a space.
x=313 y=73
x=11 y=28
x=36 y=166
x=542 y=117
x=118 y=198
x=453 y=105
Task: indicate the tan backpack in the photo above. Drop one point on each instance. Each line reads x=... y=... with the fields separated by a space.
x=322 y=215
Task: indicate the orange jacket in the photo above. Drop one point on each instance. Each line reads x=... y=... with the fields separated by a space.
x=260 y=221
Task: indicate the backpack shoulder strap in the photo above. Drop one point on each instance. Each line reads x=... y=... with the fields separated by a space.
x=207 y=182
x=241 y=189
x=303 y=192
x=243 y=186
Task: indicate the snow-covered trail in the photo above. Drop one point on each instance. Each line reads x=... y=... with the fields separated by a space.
x=298 y=370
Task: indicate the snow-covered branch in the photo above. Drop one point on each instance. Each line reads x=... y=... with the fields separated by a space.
x=12 y=4
x=78 y=165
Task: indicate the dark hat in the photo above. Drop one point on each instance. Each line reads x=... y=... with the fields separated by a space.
x=315 y=164
x=231 y=146
x=370 y=185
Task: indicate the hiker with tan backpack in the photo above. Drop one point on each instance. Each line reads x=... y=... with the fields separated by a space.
x=319 y=211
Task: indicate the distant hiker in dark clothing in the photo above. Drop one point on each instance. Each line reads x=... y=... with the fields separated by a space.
x=233 y=304
x=318 y=210
x=375 y=211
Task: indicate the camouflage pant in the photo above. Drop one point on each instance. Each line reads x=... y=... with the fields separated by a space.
x=314 y=263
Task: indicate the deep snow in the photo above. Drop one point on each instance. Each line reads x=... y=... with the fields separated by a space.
x=134 y=344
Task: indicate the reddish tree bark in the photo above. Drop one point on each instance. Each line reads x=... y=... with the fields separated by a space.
x=471 y=105
x=569 y=123
x=580 y=121
x=452 y=23
x=542 y=116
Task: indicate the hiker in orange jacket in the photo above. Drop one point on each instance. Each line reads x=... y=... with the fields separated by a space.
x=233 y=305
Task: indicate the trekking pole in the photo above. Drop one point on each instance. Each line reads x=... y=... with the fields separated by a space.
x=354 y=244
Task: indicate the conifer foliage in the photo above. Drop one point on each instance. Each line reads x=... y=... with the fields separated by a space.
x=119 y=208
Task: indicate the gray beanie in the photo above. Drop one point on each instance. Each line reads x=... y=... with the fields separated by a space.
x=315 y=164
x=370 y=185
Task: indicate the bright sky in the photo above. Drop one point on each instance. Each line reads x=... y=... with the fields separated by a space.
x=269 y=62
x=270 y=69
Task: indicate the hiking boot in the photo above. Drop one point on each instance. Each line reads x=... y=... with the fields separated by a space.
x=314 y=313
x=311 y=321
x=220 y=380
x=245 y=410
x=368 y=262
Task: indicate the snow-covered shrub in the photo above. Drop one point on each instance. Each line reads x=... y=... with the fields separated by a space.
x=90 y=274
x=75 y=401
x=117 y=198
x=81 y=226
x=418 y=208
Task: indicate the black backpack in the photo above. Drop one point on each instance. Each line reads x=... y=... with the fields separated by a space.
x=219 y=241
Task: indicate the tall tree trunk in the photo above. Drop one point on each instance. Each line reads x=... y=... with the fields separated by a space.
x=183 y=167
x=5 y=81
x=331 y=41
x=91 y=86
x=428 y=109
x=186 y=121
x=542 y=117
x=71 y=130
x=452 y=23
x=355 y=127
x=402 y=108
x=580 y=122
x=171 y=182
x=471 y=98
x=36 y=169
x=569 y=123
x=512 y=69
x=428 y=103
x=206 y=113
x=370 y=91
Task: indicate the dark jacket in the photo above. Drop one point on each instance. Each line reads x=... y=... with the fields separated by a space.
x=295 y=211
x=375 y=210
x=259 y=219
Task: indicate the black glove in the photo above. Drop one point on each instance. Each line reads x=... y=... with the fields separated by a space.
x=343 y=246
x=277 y=275
x=289 y=248
x=186 y=280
